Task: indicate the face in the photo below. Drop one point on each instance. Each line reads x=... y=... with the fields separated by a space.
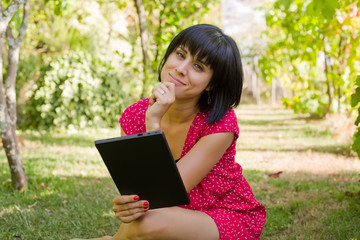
x=190 y=75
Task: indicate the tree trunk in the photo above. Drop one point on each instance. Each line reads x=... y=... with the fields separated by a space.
x=329 y=87
x=273 y=92
x=144 y=42
x=342 y=62
x=255 y=81
x=8 y=93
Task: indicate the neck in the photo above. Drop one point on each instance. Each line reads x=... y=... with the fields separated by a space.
x=181 y=112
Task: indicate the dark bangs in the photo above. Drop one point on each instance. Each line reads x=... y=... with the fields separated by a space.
x=204 y=45
x=219 y=51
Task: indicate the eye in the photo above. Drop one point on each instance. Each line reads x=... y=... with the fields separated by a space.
x=198 y=67
x=180 y=54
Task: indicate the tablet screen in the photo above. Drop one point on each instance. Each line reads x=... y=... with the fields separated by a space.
x=142 y=164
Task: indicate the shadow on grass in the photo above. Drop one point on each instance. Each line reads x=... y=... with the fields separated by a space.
x=272 y=122
x=301 y=206
x=341 y=149
x=292 y=132
x=59 y=208
x=55 y=139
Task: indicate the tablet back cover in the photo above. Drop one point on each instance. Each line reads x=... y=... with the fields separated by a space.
x=142 y=164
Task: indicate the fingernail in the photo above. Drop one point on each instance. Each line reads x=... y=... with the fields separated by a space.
x=146 y=204
x=136 y=198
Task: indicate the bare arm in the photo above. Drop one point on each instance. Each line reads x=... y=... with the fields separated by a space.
x=198 y=162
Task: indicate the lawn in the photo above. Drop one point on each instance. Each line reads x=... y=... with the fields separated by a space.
x=69 y=194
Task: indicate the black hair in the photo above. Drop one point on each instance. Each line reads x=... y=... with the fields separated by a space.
x=221 y=54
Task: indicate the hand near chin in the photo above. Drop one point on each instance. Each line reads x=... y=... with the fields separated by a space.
x=161 y=99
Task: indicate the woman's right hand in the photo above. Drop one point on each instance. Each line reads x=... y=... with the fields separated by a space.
x=128 y=208
x=161 y=99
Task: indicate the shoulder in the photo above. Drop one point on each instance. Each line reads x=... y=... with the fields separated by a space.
x=134 y=116
x=138 y=106
x=228 y=123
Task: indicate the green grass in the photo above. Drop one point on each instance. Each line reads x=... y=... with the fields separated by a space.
x=303 y=206
x=69 y=193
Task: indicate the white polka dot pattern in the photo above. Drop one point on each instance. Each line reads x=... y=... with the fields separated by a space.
x=224 y=194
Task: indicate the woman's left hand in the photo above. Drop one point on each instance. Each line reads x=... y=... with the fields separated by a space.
x=128 y=208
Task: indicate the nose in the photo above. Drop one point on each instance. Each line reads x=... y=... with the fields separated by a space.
x=182 y=67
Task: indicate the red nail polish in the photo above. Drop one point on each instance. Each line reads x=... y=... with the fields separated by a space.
x=136 y=198
x=146 y=204
x=146 y=210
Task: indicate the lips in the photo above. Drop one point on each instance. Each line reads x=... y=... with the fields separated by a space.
x=176 y=81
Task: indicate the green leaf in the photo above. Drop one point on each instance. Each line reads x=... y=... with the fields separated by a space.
x=358 y=118
x=357 y=81
x=356 y=143
x=355 y=97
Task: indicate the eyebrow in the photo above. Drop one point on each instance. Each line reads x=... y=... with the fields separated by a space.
x=183 y=48
x=201 y=61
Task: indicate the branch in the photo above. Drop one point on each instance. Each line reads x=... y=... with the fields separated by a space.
x=24 y=22
x=15 y=42
x=196 y=11
x=10 y=10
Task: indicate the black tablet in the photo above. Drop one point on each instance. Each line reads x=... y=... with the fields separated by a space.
x=142 y=164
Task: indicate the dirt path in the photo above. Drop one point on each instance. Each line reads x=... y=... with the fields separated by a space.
x=274 y=139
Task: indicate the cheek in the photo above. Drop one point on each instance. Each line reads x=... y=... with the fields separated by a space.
x=162 y=74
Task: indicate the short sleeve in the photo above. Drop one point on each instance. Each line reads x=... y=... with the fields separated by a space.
x=132 y=121
x=227 y=124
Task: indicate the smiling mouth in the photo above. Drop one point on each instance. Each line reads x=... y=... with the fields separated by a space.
x=175 y=81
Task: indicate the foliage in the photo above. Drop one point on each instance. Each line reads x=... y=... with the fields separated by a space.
x=355 y=100
x=164 y=19
x=314 y=46
x=105 y=30
x=76 y=90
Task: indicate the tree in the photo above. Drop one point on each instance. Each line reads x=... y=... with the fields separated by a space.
x=314 y=51
x=8 y=92
x=157 y=23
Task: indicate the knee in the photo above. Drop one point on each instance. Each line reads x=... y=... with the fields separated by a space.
x=150 y=226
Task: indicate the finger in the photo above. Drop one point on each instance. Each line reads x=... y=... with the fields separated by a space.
x=163 y=89
x=128 y=206
x=125 y=199
x=171 y=87
x=129 y=219
x=152 y=99
x=129 y=212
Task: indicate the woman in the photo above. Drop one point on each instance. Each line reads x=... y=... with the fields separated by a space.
x=201 y=81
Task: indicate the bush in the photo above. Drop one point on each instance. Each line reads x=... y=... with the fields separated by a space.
x=355 y=100
x=309 y=101
x=76 y=90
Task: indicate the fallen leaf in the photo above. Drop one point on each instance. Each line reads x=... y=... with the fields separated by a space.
x=22 y=190
x=17 y=237
x=275 y=175
x=32 y=205
x=349 y=194
x=42 y=185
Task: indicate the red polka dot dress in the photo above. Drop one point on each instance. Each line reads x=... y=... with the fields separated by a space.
x=224 y=194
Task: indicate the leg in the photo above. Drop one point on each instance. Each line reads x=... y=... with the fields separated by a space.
x=102 y=238
x=173 y=223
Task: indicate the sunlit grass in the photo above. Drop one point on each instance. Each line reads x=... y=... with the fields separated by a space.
x=70 y=191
